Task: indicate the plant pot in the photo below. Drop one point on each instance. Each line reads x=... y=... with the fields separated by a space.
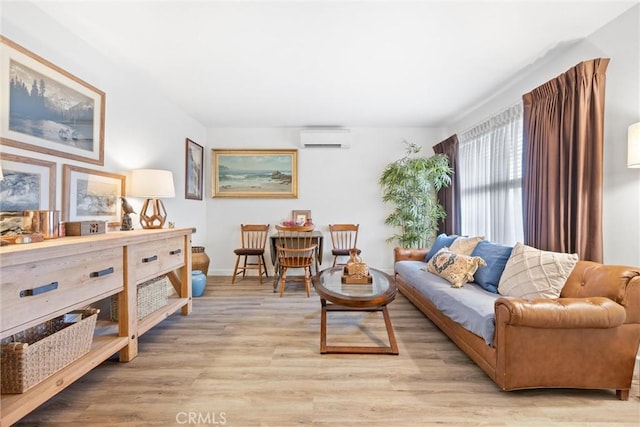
x=199 y=260
x=198 y=283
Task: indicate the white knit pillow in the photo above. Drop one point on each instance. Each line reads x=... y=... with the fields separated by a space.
x=533 y=273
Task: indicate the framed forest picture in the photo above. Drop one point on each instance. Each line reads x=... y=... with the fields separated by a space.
x=47 y=109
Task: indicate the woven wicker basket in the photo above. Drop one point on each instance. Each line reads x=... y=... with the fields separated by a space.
x=30 y=356
x=151 y=295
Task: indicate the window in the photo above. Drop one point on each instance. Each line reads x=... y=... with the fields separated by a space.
x=490 y=174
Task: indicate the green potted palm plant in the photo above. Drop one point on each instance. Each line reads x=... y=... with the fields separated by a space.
x=411 y=185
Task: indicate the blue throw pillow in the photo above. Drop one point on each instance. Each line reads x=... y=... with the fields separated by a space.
x=441 y=241
x=496 y=257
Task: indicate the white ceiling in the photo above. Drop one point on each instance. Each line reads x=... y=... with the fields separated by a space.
x=329 y=63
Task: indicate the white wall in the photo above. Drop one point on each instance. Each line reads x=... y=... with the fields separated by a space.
x=619 y=41
x=337 y=185
x=142 y=128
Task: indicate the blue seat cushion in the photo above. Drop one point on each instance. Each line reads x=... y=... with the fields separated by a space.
x=470 y=306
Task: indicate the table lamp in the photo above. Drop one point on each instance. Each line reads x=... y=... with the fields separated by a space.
x=152 y=184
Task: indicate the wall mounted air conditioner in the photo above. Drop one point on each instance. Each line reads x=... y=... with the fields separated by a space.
x=325 y=138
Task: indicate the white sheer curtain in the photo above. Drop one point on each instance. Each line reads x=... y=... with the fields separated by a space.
x=490 y=173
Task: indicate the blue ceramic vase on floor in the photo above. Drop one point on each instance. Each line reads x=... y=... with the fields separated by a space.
x=198 y=283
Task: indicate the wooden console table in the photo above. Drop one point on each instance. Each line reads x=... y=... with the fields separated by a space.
x=86 y=270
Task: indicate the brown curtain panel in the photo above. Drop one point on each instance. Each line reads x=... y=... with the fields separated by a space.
x=562 y=163
x=449 y=197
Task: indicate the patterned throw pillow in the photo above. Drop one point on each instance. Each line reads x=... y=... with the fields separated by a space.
x=533 y=273
x=457 y=269
x=465 y=245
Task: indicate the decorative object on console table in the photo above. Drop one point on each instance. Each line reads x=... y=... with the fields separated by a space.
x=29 y=226
x=199 y=259
x=68 y=120
x=46 y=223
x=91 y=195
x=153 y=184
x=84 y=228
x=12 y=226
x=254 y=173
x=127 y=210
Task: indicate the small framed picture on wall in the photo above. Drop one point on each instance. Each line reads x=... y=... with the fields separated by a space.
x=194 y=170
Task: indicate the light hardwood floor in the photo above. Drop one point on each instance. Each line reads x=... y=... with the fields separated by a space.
x=246 y=357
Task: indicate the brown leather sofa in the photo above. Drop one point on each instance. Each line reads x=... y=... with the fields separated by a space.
x=587 y=339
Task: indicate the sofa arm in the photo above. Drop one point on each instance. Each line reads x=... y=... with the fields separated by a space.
x=561 y=313
x=410 y=254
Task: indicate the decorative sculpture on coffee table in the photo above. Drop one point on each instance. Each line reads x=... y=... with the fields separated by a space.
x=356 y=271
x=127 y=209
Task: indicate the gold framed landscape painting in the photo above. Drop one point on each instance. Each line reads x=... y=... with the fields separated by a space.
x=47 y=109
x=254 y=173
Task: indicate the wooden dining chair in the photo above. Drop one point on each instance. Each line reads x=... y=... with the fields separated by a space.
x=254 y=240
x=344 y=237
x=296 y=249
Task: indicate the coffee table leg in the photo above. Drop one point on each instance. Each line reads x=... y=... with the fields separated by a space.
x=324 y=348
x=323 y=327
x=392 y=337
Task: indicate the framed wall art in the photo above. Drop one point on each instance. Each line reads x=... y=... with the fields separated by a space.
x=27 y=184
x=194 y=170
x=254 y=173
x=48 y=109
x=90 y=195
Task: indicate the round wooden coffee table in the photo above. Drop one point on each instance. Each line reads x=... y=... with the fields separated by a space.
x=337 y=296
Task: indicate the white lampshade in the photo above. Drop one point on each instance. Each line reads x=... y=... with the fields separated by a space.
x=633 y=152
x=152 y=183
